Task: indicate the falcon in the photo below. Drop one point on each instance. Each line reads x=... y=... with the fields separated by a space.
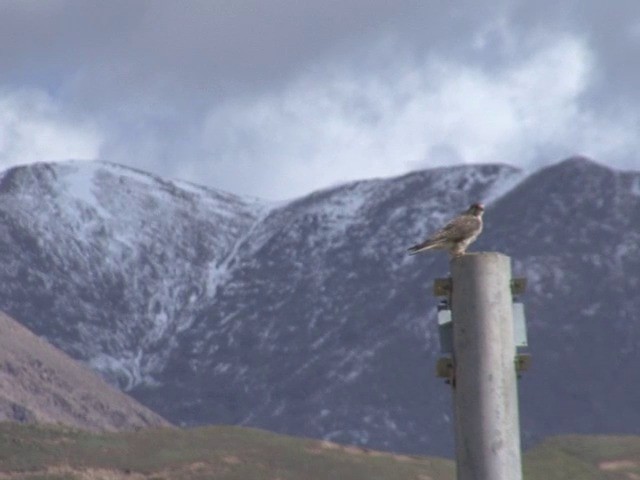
x=456 y=235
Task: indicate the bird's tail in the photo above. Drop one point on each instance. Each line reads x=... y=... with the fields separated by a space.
x=421 y=247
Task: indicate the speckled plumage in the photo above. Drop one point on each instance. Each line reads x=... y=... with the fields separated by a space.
x=456 y=235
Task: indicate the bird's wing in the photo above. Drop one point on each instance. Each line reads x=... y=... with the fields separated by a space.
x=457 y=229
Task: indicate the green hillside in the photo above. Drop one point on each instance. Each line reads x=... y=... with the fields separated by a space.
x=584 y=457
x=36 y=452
x=226 y=453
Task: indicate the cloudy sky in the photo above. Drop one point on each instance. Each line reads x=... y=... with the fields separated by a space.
x=275 y=98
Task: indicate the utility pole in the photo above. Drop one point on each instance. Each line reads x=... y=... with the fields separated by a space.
x=482 y=366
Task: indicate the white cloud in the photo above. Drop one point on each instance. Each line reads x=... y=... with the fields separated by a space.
x=340 y=124
x=335 y=123
x=33 y=127
x=277 y=100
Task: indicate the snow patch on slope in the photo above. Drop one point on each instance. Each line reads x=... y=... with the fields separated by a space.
x=132 y=241
x=507 y=180
x=220 y=270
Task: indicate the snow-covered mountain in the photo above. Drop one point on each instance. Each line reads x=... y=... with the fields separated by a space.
x=308 y=317
x=110 y=263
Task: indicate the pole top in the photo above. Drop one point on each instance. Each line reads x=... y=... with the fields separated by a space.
x=476 y=255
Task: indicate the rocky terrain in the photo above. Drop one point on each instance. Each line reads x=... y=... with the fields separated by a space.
x=41 y=384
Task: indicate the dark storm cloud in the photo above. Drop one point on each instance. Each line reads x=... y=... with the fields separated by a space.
x=278 y=97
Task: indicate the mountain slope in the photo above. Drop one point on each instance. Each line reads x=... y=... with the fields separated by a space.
x=313 y=333
x=308 y=317
x=574 y=231
x=108 y=262
x=39 y=383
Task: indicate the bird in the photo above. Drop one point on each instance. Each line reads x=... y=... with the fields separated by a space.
x=456 y=235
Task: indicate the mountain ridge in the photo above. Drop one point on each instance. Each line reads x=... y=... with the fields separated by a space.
x=307 y=317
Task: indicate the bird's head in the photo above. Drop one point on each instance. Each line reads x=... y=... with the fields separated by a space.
x=476 y=209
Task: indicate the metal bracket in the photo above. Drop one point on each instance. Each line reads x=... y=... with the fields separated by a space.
x=518 y=285
x=523 y=362
x=442 y=287
x=445 y=369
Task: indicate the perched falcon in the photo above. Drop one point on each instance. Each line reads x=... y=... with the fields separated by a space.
x=456 y=235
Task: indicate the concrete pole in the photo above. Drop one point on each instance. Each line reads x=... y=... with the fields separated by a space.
x=485 y=395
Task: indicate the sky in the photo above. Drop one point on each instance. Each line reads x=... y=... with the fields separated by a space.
x=277 y=98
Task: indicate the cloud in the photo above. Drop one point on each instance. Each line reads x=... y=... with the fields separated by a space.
x=34 y=127
x=277 y=98
x=330 y=126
